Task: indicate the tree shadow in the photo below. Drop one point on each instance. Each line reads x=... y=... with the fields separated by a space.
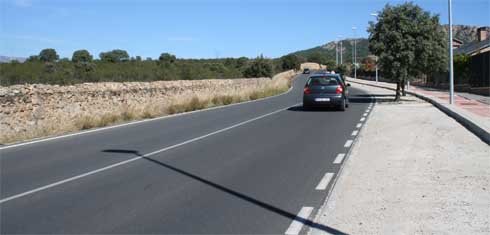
x=372 y=95
x=376 y=98
x=239 y=195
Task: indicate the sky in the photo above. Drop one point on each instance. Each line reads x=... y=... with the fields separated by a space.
x=198 y=28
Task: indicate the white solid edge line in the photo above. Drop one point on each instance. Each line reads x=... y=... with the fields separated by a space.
x=136 y=158
x=324 y=181
x=137 y=122
x=354 y=133
x=297 y=225
x=348 y=143
x=339 y=158
x=359 y=125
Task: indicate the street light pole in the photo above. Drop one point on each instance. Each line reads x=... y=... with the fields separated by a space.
x=355 y=53
x=451 y=72
x=341 y=50
x=376 y=15
x=337 y=53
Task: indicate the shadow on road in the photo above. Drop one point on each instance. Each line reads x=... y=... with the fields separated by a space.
x=300 y=108
x=377 y=98
x=242 y=196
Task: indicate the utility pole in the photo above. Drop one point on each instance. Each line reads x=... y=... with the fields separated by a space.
x=451 y=72
x=355 y=53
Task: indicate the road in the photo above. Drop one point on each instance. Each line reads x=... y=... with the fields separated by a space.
x=247 y=168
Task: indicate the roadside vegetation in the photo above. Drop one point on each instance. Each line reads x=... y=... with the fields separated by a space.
x=409 y=43
x=118 y=66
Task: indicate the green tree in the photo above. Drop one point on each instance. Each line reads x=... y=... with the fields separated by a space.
x=167 y=58
x=408 y=42
x=260 y=67
x=330 y=64
x=48 y=55
x=343 y=69
x=81 y=56
x=462 y=69
x=114 y=56
x=317 y=57
x=32 y=58
x=241 y=62
x=290 y=62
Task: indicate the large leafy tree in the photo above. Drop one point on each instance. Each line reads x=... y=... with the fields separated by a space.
x=114 y=56
x=81 y=56
x=48 y=55
x=290 y=61
x=409 y=42
x=260 y=67
x=167 y=58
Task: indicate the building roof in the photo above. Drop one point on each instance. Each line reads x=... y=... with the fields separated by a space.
x=471 y=48
x=457 y=40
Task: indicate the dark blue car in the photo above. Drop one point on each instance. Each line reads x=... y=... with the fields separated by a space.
x=326 y=90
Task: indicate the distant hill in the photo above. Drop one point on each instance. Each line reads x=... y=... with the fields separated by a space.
x=465 y=33
x=8 y=59
x=347 y=45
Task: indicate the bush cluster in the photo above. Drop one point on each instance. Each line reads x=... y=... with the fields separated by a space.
x=118 y=66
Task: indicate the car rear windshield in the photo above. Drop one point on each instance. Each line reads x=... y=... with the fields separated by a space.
x=323 y=81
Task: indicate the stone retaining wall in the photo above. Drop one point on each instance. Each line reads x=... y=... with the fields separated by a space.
x=27 y=107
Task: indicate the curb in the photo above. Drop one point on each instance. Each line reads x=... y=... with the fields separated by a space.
x=469 y=124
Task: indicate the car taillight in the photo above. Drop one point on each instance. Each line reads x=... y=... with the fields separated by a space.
x=307 y=90
x=339 y=90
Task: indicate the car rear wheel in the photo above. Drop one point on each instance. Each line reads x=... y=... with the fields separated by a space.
x=342 y=105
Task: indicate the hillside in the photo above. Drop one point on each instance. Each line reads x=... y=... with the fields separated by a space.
x=329 y=50
x=8 y=59
x=464 y=33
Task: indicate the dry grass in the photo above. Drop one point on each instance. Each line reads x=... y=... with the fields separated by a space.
x=178 y=105
x=195 y=103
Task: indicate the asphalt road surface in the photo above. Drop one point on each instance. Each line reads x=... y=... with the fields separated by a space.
x=247 y=168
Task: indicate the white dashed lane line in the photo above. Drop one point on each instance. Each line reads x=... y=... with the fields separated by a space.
x=359 y=125
x=324 y=182
x=298 y=222
x=339 y=158
x=354 y=133
x=363 y=119
x=348 y=143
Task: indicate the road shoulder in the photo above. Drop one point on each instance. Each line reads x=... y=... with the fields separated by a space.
x=412 y=170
